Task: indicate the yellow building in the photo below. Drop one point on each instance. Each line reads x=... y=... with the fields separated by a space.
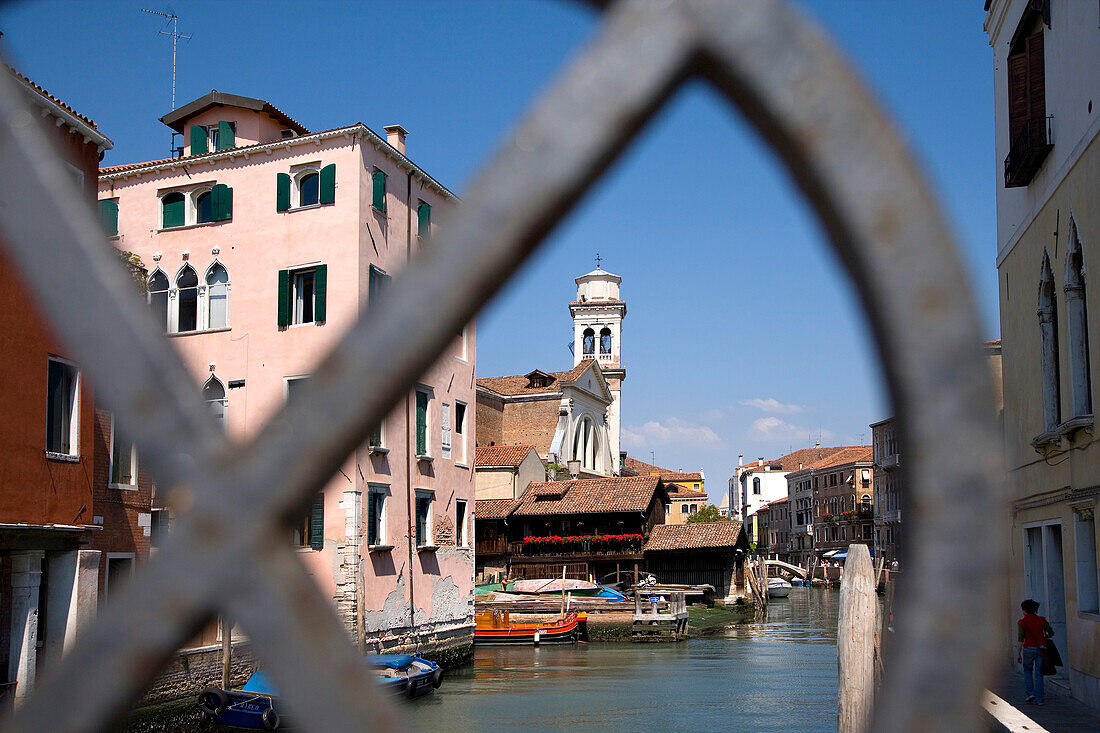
x=686 y=490
x=1047 y=71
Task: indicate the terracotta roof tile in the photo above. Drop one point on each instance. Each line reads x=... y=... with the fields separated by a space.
x=500 y=455
x=51 y=97
x=850 y=454
x=494 y=508
x=676 y=491
x=696 y=536
x=641 y=468
x=517 y=384
x=587 y=496
x=803 y=457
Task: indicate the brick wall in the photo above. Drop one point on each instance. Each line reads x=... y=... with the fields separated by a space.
x=192 y=670
x=531 y=422
x=489 y=417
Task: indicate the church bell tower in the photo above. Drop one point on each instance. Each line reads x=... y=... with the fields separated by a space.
x=598 y=314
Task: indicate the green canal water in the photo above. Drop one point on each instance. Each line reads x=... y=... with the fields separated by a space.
x=775 y=675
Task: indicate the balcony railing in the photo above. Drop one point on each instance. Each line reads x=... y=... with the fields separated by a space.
x=495 y=546
x=585 y=547
x=1028 y=151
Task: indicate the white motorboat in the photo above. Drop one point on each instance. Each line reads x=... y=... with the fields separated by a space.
x=778 y=588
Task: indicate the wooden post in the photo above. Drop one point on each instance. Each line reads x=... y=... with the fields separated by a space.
x=227 y=652
x=856 y=642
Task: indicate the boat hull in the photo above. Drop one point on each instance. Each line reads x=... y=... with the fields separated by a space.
x=527 y=634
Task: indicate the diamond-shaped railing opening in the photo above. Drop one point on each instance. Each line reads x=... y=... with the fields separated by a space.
x=837 y=143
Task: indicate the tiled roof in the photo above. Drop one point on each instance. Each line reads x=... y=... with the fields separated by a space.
x=851 y=454
x=697 y=536
x=494 y=508
x=518 y=384
x=676 y=491
x=500 y=455
x=51 y=97
x=776 y=502
x=587 y=496
x=177 y=117
x=641 y=468
x=803 y=457
x=129 y=166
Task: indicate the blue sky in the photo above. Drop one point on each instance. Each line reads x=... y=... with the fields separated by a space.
x=742 y=334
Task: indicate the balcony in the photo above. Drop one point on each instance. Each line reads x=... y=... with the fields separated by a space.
x=628 y=545
x=494 y=546
x=1028 y=152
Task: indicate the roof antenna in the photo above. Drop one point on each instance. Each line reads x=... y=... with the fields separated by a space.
x=175 y=36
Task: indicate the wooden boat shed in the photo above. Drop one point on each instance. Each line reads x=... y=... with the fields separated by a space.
x=711 y=553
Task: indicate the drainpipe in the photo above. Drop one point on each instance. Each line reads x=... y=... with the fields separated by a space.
x=409 y=448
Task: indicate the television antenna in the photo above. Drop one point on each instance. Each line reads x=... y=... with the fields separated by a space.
x=175 y=35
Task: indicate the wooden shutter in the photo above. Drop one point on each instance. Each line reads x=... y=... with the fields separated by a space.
x=198 y=139
x=376 y=286
x=282 y=192
x=108 y=216
x=372 y=518
x=445 y=424
x=1036 y=88
x=173 y=212
x=423 y=221
x=379 y=201
x=226 y=138
x=421 y=424
x=317 y=522
x=284 y=297
x=328 y=184
x=320 y=292
x=221 y=202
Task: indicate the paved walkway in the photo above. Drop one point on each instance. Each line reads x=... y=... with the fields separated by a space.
x=1060 y=711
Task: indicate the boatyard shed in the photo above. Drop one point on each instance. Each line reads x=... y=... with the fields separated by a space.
x=704 y=553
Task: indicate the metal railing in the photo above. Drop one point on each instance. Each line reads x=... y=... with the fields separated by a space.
x=1029 y=149
x=227 y=552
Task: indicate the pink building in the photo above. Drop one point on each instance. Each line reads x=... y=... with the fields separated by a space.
x=263 y=243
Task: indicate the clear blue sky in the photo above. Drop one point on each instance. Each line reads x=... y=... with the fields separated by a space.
x=742 y=334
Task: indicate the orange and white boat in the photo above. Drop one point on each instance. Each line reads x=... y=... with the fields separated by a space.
x=531 y=629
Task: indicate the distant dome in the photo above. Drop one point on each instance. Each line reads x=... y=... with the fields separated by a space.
x=598 y=285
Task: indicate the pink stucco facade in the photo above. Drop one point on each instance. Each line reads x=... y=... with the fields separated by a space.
x=251 y=356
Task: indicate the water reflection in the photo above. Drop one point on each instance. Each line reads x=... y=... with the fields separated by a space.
x=779 y=675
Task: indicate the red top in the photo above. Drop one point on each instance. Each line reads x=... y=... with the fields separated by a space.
x=1032 y=626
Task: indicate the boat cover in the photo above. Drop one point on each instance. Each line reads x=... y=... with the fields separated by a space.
x=392 y=661
x=260 y=682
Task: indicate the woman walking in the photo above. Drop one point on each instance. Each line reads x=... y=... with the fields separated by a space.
x=1032 y=634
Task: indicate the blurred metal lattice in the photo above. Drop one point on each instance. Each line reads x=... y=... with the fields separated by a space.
x=227 y=552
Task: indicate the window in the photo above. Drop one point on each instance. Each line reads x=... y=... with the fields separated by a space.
x=461 y=535
x=695 y=486
x=123 y=458
x=377 y=282
x=108 y=216
x=683 y=508
x=217 y=296
x=460 y=433
x=158 y=297
x=173 y=209
x=62 y=407
x=120 y=568
x=1048 y=332
x=756 y=485
x=1078 y=325
x=1084 y=540
x=422 y=423
x=694 y=508
x=205 y=138
x=187 y=300
x=213 y=394
x=310 y=529
x=376 y=439
x=309 y=189
x=294 y=388
x=310 y=186
x=303 y=295
x=423 y=519
x=1028 y=132
x=445 y=432
x=424 y=220
x=378 y=200
x=204 y=207
x=376 y=515
x=589 y=341
x=159 y=524
x=605 y=340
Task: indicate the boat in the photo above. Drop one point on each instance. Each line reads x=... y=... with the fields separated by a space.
x=778 y=588
x=528 y=629
x=555 y=586
x=257 y=706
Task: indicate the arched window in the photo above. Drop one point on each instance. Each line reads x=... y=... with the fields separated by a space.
x=605 y=340
x=1078 y=324
x=187 y=300
x=217 y=296
x=584 y=444
x=172 y=210
x=309 y=189
x=158 y=296
x=204 y=207
x=683 y=508
x=1048 y=332
x=213 y=393
x=756 y=485
x=589 y=342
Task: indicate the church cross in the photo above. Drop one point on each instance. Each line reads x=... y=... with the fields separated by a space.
x=598 y=259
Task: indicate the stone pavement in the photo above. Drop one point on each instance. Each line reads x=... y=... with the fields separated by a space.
x=1060 y=713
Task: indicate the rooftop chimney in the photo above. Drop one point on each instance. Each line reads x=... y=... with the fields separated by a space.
x=740 y=459
x=395 y=136
x=760 y=461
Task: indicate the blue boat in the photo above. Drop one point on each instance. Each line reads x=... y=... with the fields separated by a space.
x=256 y=706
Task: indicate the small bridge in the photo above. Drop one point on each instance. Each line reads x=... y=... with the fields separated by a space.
x=792 y=569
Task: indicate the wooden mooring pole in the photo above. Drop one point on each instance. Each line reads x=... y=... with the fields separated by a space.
x=227 y=652
x=855 y=642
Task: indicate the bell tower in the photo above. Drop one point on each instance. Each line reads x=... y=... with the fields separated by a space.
x=598 y=314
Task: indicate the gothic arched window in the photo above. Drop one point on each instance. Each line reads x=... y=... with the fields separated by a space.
x=1078 y=324
x=589 y=342
x=605 y=340
x=1048 y=331
x=217 y=296
x=213 y=393
x=158 y=296
x=187 y=300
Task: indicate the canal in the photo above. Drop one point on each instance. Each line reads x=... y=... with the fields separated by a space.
x=775 y=675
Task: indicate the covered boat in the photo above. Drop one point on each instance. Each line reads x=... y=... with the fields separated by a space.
x=555 y=586
x=257 y=706
x=778 y=588
x=530 y=629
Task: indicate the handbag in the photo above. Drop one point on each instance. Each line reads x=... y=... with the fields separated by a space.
x=1052 y=652
x=1046 y=665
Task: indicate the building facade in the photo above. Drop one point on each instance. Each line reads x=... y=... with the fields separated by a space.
x=264 y=242
x=831 y=503
x=889 y=489
x=1046 y=71
x=687 y=490
x=774 y=519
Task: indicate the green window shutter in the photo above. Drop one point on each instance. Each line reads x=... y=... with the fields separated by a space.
x=222 y=202
x=379 y=190
x=376 y=286
x=372 y=518
x=421 y=424
x=317 y=522
x=423 y=221
x=198 y=139
x=320 y=291
x=328 y=184
x=173 y=211
x=284 y=297
x=108 y=216
x=282 y=192
x=226 y=139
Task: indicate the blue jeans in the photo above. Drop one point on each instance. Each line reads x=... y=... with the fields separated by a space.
x=1033 y=676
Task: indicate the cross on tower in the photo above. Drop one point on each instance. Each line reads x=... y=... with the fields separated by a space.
x=598 y=258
